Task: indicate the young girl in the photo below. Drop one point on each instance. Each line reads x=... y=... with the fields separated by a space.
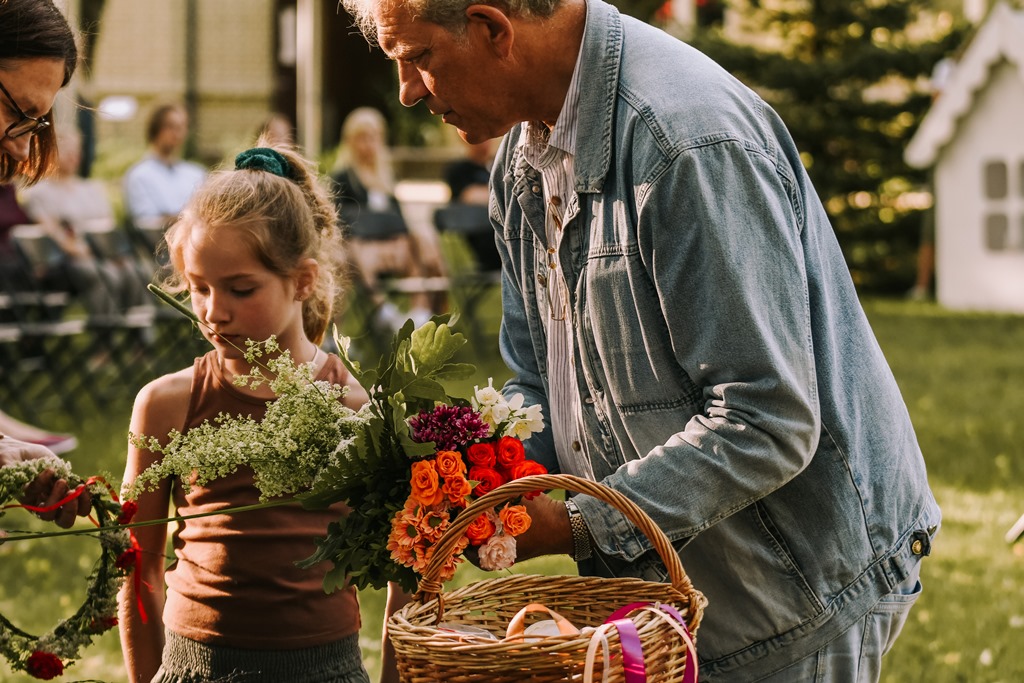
x=255 y=250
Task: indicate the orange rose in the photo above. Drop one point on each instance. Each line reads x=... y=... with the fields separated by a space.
x=481 y=454
x=515 y=519
x=487 y=479
x=449 y=463
x=426 y=488
x=457 y=488
x=510 y=451
x=480 y=529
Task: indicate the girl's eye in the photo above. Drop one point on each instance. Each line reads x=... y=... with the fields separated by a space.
x=242 y=293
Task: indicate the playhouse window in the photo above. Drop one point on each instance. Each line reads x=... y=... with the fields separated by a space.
x=996 y=180
x=997 y=231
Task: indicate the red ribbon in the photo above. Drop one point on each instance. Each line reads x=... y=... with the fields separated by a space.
x=134 y=552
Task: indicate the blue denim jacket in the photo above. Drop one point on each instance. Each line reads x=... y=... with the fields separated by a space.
x=730 y=382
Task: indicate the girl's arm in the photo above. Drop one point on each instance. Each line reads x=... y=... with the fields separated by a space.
x=159 y=408
x=397 y=599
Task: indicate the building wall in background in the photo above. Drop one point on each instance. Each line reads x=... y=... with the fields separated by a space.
x=141 y=53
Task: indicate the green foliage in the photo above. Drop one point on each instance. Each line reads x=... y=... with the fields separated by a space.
x=372 y=474
x=958 y=375
x=847 y=78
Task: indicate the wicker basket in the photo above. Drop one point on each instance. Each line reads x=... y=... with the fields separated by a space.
x=426 y=652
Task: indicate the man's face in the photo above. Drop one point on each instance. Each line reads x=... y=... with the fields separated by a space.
x=457 y=76
x=173 y=131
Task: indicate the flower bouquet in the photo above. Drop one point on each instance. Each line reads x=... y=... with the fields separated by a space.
x=406 y=463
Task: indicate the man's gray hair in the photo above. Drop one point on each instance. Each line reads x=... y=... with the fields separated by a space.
x=451 y=14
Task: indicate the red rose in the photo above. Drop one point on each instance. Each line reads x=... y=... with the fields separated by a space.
x=128 y=510
x=129 y=558
x=481 y=454
x=528 y=468
x=44 y=665
x=510 y=452
x=487 y=479
x=102 y=624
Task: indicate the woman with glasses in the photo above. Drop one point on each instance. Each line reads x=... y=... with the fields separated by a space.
x=38 y=56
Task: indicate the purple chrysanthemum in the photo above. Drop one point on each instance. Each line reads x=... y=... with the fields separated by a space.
x=449 y=427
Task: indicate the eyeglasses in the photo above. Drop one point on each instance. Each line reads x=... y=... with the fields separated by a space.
x=26 y=125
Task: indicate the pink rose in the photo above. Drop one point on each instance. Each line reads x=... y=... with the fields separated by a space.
x=499 y=552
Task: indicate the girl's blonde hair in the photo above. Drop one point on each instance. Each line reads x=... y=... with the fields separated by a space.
x=283 y=221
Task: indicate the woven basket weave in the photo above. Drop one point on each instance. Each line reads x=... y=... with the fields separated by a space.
x=426 y=653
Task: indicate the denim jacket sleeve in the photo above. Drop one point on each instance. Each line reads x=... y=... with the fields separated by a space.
x=719 y=231
x=725 y=283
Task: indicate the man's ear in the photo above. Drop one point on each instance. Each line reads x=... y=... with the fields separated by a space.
x=494 y=25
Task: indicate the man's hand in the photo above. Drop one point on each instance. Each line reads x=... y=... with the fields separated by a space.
x=549 y=532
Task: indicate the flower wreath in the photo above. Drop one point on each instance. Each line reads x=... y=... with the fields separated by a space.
x=46 y=656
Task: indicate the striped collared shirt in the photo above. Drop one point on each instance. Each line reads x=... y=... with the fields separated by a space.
x=551 y=152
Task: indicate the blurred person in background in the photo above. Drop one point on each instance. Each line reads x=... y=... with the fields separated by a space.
x=379 y=241
x=157 y=187
x=467 y=179
x=38 y=57
x=67 y=207
x=277 y=129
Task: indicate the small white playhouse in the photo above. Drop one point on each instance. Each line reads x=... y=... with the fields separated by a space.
x=973 y=136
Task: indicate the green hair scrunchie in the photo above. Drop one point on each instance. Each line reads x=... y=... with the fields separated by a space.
x=265 y=159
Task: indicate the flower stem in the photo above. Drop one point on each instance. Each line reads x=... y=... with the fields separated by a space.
x=152 y=522
x=173 y=302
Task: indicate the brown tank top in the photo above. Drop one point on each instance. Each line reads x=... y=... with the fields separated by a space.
x=235 y=582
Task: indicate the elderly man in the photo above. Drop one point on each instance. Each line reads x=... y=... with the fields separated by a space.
x=675 y=298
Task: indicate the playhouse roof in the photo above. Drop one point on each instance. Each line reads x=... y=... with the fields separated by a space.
x=1000 y=37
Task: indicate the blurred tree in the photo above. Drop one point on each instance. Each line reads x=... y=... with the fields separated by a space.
x=850 y=79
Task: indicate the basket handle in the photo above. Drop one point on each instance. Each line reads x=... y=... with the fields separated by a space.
x=430 y=587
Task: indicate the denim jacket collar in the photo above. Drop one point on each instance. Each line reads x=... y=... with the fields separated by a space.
x=602 y=59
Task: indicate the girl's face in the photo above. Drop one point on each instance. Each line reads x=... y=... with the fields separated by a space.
x=238 y=298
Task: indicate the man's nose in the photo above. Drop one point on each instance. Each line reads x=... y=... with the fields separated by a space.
x=411 y=88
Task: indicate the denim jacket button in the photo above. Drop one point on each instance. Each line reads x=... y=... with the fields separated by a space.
x=922 y=543
x=541 y=280
x=535 y=189
x=589 y=400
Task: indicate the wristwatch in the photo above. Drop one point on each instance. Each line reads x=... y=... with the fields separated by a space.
x=581 y=548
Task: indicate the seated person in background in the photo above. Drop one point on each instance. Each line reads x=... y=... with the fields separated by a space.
x=467 y=179
x=277 y=129
x=380 y=242
x=157 y=187
x=67 y=206
x=11 y=214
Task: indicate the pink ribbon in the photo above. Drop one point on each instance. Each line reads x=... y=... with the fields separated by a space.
x=632 y=649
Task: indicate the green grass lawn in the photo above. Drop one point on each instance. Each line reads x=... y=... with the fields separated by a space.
x=960 y=377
